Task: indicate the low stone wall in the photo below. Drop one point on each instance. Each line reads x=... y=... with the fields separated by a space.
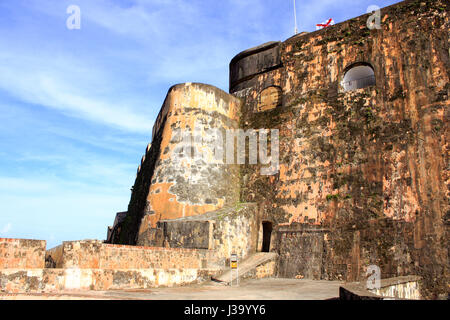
x=266 y=270
x=236 y=231
x=51 y=280
x=22 y=253
x=334 y=252
x=228 y=230
x=93 y=254
x=406 y=287
x=301 y=249
x=94 y=265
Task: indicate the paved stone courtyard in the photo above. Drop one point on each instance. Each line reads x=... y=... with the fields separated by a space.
x=252 y=289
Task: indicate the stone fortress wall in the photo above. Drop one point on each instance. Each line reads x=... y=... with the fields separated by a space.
x=26 y=266
x=94 y=254
x=364 y=173
x=169 y=189
x=363 y=176
x=22 y=253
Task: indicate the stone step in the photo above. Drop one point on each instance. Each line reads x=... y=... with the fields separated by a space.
x=245 y=267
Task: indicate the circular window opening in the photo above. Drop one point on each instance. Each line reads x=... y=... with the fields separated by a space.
x=358 y=77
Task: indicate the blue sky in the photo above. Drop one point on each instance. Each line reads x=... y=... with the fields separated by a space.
x=77 y=106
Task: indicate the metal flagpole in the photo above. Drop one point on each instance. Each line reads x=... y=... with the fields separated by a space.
x=295 y=19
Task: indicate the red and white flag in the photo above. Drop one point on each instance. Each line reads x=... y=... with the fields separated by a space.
x=325 y=24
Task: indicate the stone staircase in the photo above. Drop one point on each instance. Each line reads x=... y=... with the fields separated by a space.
x=245 y=267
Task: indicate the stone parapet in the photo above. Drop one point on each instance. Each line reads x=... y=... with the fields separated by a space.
x=22 y=253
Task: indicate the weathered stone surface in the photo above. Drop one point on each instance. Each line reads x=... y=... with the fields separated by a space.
x=363 y=174
x=258 y=265
x=301 y=251
x=114 y=231
x=225 y=231
x=56 y=280
x=22 y=253
x=169 y=187
x=252 y=62
x=91 y=254
x=406 y=287
x=369 y=165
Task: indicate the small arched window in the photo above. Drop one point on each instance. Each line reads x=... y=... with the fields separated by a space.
x=358 y=76
x=269 y=98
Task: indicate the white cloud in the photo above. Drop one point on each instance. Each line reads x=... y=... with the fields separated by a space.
x=70 y=168
x=6 y=228
x=72 y=90
x=156 y=42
